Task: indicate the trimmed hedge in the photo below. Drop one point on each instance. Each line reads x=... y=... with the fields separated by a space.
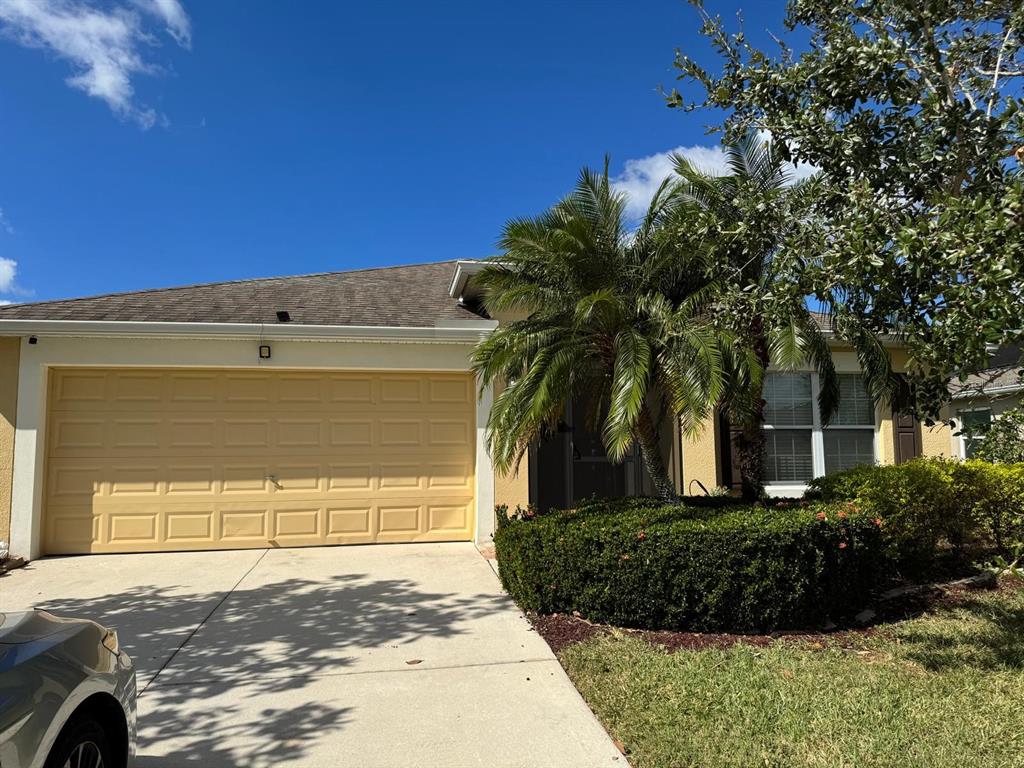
x=647 y=565
x=971 y=507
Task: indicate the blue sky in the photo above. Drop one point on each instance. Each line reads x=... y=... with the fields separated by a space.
x=146 y=143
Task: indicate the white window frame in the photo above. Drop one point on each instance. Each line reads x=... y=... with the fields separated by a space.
x=818 y=436
x=961 y=441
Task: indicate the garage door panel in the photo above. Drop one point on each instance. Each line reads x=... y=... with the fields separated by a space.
x=299 y=524
x=447 y=517
x=134 y=480
x=132 y=389
x=244 y=522
x=192 y=390
x=350 y=433
x=170 y=459
x=356 y=477
x=76 y=530
x=352 y=522
x=191 y=435
x=301 y=478
x=456 y=391
x=449 y=432
x=192 y=526
x=76 y=387
x=190 y=479
x=245 y=479
x=133 y=527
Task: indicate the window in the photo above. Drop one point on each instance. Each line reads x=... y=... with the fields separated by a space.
x=974 y=424
x=789 y=426
x=797 y=446
x=849 y=439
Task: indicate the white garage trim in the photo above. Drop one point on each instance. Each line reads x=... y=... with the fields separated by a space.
x=126 y=345
x=460 y=331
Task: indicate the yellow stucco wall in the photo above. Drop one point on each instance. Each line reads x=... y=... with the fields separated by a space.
x=513 y=489
x=10 y=350
x=700 y=459
x=937 y=440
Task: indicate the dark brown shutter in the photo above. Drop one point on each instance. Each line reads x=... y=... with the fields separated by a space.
x=906 y=436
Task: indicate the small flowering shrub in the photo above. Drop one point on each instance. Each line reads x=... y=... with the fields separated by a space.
x=932 y=505
x=641 y=563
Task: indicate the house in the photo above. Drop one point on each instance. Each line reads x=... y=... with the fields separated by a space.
x=985 y=396
x=333 y=408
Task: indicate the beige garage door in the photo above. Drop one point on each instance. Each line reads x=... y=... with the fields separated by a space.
x=143 y=460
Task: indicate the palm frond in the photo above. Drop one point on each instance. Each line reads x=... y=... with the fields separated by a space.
x=630 y=381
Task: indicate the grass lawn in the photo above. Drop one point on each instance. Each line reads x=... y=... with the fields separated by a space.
x=945 y=689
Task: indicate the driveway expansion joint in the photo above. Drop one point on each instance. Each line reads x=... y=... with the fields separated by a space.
x=203 y=621
x=354 y=673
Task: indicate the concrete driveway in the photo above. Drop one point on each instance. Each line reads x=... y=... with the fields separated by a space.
x=387 y=655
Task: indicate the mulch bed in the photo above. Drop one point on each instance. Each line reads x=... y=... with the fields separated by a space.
x=560 y=630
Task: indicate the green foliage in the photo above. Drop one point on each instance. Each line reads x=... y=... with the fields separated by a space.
x=840 y=486
x=928 y=502
x=739 y=219
x=613 y=318
x=916 y=502
x=640 y=563
x=990 y=501
x=911 y=111
x=1004 y=440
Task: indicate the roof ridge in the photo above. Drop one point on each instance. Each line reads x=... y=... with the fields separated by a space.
x=222 y=282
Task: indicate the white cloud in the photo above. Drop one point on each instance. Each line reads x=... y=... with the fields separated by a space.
x=103 y=46
x=8 y=269
x=4 y=302
x=173 y=14
x=5 y=224
x=641 y=177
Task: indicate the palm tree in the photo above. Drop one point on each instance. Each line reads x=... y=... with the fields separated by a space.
x=614 y=318
x=744 y=218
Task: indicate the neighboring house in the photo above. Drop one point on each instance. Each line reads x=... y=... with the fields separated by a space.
x=985 y=396
x=335 y=408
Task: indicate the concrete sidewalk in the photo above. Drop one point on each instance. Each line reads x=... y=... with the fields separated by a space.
x=386 y=655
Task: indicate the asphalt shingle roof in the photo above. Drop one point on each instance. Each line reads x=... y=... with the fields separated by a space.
x=409 y=296
x=995 y=380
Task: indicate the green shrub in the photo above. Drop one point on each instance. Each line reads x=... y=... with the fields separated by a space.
x=840 y=486
x=644 y=564
x=915 y=500
x=990 y=499
x=973 y=506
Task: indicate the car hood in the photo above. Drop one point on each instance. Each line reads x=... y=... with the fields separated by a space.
x=28 y=626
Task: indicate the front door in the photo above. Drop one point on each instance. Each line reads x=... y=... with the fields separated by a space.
x=571 y=465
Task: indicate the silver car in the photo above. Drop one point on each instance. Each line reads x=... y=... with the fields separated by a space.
x=67 y=694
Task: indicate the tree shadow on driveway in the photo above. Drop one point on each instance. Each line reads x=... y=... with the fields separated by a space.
x=239 y=690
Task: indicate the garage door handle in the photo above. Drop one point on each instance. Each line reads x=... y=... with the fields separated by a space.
x=273 y=479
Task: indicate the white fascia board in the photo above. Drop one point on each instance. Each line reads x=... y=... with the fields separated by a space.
x=469 y=330
x=987 y=392
x=463 y=271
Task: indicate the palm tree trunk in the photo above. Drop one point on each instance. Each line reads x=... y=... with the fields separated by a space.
x=750 y=452
x=750 y=441
x=650 y=451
